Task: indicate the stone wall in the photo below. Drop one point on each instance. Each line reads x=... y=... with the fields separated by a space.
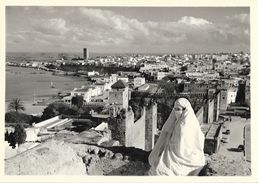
x=151 y=127
x=135 y=131
x=208 y=111
x=216 y=106
x=205 y=112
x=210 y=115
x=209 y=145
x=199 y=115
x=213 y=139
x=218 y=138
x=223 y=100
x=139 y=134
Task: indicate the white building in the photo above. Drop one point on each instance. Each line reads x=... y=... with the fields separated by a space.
x=228 y=96
x=228 y=83
x=220 y=57
x=153 y=67
x=103 y=87
x=211 y=75
x=125 y=79
x=194 y=74
x=67 y=99
x=138 y=81
x=113 y=78
x=161 y=75
x=232 y=92
x=35 y=64
x=175 y=68
x=93 y=73
x=101 y=79
x=86 y=92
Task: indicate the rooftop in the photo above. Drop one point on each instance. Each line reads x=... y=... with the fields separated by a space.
x=83 y=89
x=119 y=84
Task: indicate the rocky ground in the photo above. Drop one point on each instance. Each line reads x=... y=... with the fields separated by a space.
x=52 y=157
x=221 y=165
x=67 y=154
x=64 y=158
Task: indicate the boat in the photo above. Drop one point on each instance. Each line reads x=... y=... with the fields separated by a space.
x=34 y=101
x=52 y=85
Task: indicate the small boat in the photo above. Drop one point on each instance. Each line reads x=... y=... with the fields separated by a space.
x=34 y=100
x=52 y=85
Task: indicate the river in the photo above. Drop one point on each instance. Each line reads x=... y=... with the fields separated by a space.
x=32 y=85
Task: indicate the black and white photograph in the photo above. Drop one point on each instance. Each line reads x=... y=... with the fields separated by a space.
x=127 y=91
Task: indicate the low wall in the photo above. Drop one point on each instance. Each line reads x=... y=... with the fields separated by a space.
x=59 y=123
x=209 y=146
x=213 y=139
x=218 y=138
x=46 y=122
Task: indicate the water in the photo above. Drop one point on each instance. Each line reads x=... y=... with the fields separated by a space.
x=29 y=84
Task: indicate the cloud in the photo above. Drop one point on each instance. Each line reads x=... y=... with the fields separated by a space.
x=193 y=21
x=105 y=30
x=247 y=32
x=15 y=38
x=239 y=18
x=55 y=26
x=117 y=29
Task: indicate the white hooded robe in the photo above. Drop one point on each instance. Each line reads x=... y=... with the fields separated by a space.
x=179 y=149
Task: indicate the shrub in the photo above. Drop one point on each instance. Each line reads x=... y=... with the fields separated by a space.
x=17 y=137
x=16 y=117
x=6 y=135
x=19 y=134
x=9 y=137
x=77 y=101
x=55 y=109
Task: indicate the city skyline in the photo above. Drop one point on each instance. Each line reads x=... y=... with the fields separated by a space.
x=127 y=29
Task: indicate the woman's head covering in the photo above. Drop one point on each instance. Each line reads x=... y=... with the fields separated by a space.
x=186 y=105
x=181 y=142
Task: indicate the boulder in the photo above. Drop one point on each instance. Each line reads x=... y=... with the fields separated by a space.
x=52 y=157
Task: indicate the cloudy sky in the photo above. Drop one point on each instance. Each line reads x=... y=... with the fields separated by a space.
x=127 y=29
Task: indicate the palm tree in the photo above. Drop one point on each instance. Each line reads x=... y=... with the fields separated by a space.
x=16 y=104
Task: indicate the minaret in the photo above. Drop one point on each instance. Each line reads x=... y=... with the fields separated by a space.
x=85 y=54
x=118 y=97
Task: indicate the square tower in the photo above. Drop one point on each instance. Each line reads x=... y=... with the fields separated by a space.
x=118 y=97
x=223 y=99
x=85 y=54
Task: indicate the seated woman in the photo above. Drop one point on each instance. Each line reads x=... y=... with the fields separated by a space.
x=179 y=149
